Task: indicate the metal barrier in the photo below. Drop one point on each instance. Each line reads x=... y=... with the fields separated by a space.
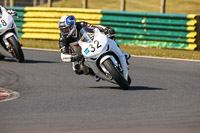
x=42 y=23
x=153 y=29
x=132 y=28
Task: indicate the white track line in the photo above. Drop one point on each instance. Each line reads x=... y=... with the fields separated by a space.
x=151 y=57
x=41 y=49
x=165 y=58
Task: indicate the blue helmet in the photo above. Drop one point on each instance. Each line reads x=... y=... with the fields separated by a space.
x=67 y=25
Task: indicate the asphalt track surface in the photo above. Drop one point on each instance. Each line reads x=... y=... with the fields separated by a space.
x=164 y=97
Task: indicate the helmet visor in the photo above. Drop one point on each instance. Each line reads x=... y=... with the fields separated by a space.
x=65 y=30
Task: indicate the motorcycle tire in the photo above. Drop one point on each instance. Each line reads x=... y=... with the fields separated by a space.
x=129 y=80
x=116 y=75
x=17 y=51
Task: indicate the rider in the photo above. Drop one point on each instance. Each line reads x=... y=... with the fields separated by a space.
x=69 y=33
x=11 y=12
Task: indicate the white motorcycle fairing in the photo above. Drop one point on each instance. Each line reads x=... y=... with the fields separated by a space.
x=100 y=49
x=9 y=43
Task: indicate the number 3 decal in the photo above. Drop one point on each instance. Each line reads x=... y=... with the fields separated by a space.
x=93 y=48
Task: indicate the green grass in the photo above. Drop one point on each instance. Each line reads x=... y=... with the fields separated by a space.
x=133 y=50
x=44 y=44
x=172 y=6
x=161 y=52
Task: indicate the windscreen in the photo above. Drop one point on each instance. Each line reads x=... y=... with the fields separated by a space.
x=86 y=34
x=0 y=12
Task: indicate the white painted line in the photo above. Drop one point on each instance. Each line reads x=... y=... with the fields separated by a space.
x=151 y=57
x=53 y=50
x=165 y=58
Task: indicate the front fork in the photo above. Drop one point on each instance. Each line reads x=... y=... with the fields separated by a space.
x=7 y=50
x=103 y=59
x=9 y=47
x=123 y=68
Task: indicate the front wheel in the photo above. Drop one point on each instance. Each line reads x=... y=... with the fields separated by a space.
x=16 y=50
x=116 y=75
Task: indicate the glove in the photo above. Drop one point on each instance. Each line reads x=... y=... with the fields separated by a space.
x=109 y=30
x=65 y=57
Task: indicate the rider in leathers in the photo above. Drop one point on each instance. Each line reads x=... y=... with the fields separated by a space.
x=69 y=33
x=11 y=12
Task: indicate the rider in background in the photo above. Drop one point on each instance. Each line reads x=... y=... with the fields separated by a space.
x=11 y=12
x=69 y=33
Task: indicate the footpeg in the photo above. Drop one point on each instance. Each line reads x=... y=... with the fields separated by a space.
x=97 y=79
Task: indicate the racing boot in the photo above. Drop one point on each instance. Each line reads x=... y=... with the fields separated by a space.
x=76 y=67
x=127 y=56
x=97 y=79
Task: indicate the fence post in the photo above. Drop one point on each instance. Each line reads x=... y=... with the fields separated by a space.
x=162 y=6
x=85 y=3
x=123 y=5
x=11 y=3
x=50 y=3
x=34 y=2
x=41 y=2
x=198 y=32
x=5 y=3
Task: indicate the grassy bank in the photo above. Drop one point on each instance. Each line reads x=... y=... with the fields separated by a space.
x=133 y=50
x=172 y=6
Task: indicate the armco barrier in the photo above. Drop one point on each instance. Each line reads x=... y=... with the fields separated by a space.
x=153 y=29
x=42 y=23
x=150 y=29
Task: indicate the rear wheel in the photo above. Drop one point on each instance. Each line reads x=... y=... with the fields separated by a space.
x=16 y=49
x=116 y=74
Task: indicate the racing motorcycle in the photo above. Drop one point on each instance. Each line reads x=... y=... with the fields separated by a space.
x=101 y=58
x=9 y=43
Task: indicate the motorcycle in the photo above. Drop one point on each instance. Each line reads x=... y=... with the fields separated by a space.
x=9 y=43
x=102 y=58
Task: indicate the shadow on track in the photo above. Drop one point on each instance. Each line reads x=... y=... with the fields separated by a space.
x=131 y=88
x=38 y=61
x=30 y=61
x=136 y=88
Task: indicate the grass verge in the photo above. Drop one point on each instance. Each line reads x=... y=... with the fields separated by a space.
x=133 y=49
x=172 y=6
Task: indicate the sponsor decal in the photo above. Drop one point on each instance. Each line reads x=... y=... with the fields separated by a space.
x=86 y=51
